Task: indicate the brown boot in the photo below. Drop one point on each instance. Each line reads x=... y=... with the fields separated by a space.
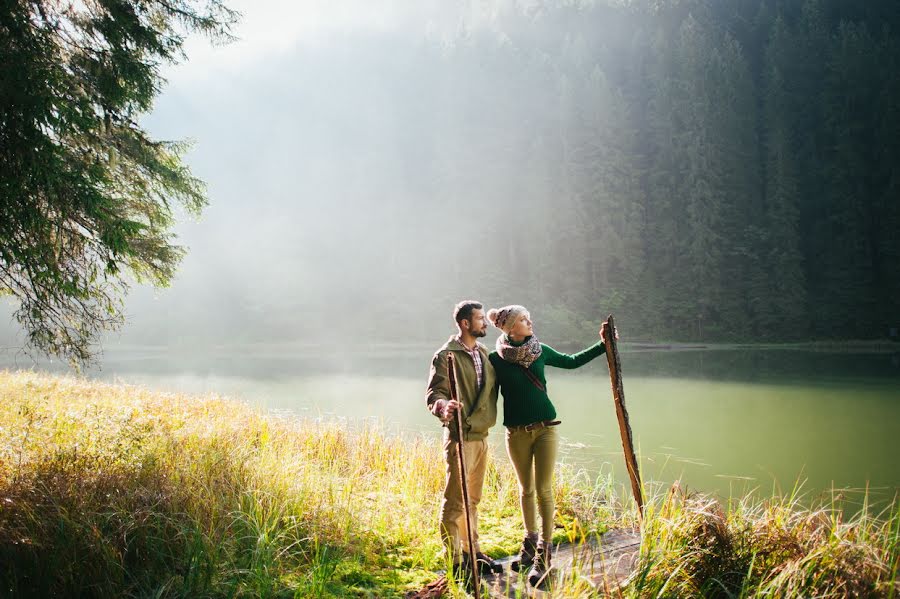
x=487 y=565
x=463 y=575
x=526 y=556
x=537 y=576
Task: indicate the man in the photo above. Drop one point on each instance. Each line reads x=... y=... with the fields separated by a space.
x=476 y=388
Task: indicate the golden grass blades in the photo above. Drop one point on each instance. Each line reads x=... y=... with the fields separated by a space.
x=764 y=547
x=113 y=490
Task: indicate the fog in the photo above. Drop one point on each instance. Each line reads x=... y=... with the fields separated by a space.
x=322 y=222
x=371 y=163
x=313 y=135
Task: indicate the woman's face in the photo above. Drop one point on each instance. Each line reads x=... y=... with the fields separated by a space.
x=522 y=328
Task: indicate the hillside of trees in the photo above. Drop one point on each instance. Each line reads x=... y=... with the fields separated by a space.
x=706 y=170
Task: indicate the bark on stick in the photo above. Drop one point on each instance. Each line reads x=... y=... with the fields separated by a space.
x=615 y=378
x=473 y=561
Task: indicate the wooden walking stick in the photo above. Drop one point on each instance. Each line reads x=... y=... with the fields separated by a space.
x=451 y=371
x=615 y=378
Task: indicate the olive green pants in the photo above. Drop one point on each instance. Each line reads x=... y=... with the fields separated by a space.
x=453 y=519
x=533 y=455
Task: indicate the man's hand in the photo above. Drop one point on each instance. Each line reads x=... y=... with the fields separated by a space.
x=448 y=409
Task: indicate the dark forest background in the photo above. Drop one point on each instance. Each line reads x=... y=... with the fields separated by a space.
x=706 y=170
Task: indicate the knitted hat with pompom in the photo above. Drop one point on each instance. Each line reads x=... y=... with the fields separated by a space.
x=505 y=318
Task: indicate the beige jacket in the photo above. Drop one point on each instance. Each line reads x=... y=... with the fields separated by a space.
x=480 y=411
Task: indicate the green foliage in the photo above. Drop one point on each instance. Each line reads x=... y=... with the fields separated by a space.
x=85 y=194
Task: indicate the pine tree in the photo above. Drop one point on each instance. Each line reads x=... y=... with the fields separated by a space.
x=610 y=198
x=847 y=275
x=85 y=193
x=786 y=294
x=886 y=198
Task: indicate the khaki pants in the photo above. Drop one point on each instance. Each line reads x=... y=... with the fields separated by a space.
x=453 y=519
x=533 y=455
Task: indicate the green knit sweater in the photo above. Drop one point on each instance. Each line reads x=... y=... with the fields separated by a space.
x=523 y=402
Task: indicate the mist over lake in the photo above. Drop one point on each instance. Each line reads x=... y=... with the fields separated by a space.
x=720 y=419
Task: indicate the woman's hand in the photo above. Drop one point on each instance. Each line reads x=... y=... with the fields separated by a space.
x=603 y=332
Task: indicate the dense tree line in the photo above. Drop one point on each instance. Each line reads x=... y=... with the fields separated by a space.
x=707 y=169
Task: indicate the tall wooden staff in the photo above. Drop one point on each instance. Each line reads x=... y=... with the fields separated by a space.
x=451 y=371
x=615 y=378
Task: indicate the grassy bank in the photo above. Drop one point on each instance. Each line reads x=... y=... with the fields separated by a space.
x=118 y=491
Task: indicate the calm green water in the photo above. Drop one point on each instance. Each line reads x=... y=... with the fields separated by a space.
x=724 y=421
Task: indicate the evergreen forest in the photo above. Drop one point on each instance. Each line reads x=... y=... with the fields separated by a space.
x=708 y=170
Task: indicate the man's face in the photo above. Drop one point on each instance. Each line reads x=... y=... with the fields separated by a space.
x=477 y=324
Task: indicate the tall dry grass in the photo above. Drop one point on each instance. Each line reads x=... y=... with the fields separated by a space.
x=693 y=546
x=116 y=491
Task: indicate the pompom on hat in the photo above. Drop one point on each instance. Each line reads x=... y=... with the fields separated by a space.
x=505 y=318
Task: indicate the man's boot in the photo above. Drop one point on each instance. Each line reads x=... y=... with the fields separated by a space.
x=526 y=555
x=537 y=576
x=462 y=573
x=486 y=565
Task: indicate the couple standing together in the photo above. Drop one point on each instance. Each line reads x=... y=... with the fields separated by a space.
x=515 y=369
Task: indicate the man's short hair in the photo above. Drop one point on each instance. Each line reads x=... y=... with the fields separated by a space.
x=463 y=310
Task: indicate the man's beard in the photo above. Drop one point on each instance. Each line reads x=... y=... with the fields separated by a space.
x=481 y=333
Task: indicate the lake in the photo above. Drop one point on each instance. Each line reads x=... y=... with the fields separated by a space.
x=724 y=420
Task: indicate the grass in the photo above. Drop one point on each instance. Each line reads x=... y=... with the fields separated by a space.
x=692 y=546
x=110 y=491
x=115 y=490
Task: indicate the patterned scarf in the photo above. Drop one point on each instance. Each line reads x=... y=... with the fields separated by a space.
x=523 y=355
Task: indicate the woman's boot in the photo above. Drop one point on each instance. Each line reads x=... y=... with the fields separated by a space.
x=541 y=566
x=526 y=555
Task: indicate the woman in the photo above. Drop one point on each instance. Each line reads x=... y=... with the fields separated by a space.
x=532 y=441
